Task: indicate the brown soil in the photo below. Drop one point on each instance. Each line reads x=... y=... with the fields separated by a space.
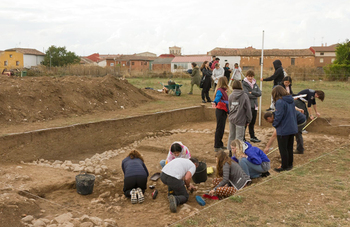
x=45 y=192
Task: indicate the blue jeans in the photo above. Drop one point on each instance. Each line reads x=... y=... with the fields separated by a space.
x=162 y=163
x=252 y=170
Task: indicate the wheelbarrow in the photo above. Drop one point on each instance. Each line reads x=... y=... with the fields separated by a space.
x=174 y=88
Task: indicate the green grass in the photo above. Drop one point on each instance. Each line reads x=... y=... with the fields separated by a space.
x=335 y=104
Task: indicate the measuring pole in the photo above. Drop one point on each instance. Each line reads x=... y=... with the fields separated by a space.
x=261 y=75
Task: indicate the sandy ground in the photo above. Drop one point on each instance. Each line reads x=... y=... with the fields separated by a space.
x=45 y=192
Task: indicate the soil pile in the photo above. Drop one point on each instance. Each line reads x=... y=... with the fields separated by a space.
x=38 y=99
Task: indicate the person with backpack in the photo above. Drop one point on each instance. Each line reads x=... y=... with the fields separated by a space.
x=253 y=91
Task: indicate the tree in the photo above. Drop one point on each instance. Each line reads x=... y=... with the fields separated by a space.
x=340 y=69
x=60 y=57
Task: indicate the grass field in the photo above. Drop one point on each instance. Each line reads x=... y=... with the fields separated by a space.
x=335 y=105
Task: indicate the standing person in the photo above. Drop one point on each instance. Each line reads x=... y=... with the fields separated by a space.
x=301 y=121
x=135 y=177
x=206 y=71
x=229 y=176
x=221 y=104
x=287 y=84
x=212 y=60
x=285 y=122
x=310 y=98
x=237 y=73
x=253 y=91
x=217 y=73
x=252 y=160
x=176 y=175
x=195 y=77
x=240 y=113
x=213 y=64
x=227 y=71
x=176 y=150
x=277 y=78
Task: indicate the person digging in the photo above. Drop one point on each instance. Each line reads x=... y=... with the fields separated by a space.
x=177 y=175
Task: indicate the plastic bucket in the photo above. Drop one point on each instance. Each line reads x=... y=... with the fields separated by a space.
x=84 y=183
x=200 y=174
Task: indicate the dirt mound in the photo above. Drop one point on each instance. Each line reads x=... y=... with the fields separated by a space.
x=38 y=99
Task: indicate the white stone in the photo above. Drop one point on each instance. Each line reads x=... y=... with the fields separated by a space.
x=105 y=195
x=98 y=171
x=84 y=218
x=90 y=169
x=38 y=223
x=78 y=169
x=67 y=217
x=96 y=220
x=28 y=218
x=57 y=162
x=86 y=224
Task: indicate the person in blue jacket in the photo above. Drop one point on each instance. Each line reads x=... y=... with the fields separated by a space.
x=285 y=122
x=252 y=160
x=135 y=177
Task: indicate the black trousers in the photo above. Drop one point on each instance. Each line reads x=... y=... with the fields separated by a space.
x=285 y=145
x=177 y=186
x=205 y=95
x=252 y=123
x=134 y=182
x=221 y=116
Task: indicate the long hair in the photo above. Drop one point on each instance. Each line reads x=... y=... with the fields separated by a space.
x=203 y=65
x=238 y=144
x=135 y=154
x=237 y=85
x=222 y=83
x=278 y=92
x=222 y=158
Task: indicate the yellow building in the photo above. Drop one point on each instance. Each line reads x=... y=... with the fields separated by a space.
x=10 y=60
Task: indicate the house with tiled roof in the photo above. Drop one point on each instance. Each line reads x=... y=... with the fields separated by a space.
x=31 y=57
x=183 y=63
x=324 y=55
x=128 y=62
x=250 y=58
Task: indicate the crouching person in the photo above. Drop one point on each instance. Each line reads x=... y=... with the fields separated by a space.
x=230 y=176
x=135 y=177
x=177 y=175
x=252 y=160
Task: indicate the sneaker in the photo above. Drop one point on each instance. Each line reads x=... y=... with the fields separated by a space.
x=190 y=93
x=266 y=174
x=133 y=196
x=140 y=196
x=304 y=132
x=270 y=109
x=224 y=148
x=209 y=100
x=298 y=152
x=255 y=140
x=172 y=202
x=203 y=101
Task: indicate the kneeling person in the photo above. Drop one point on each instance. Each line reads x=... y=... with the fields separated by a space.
x=177 y=174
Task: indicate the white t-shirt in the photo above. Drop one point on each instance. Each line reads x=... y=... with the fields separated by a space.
x=179 y=167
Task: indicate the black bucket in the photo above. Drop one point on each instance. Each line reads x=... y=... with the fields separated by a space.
x=84 y=183
x=201 y=173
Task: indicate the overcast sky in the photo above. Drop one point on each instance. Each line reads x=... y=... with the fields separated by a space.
x=134 y=26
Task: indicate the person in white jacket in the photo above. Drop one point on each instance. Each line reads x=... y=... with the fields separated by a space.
x=217 y=73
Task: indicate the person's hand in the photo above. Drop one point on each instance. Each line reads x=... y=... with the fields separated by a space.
x=211 y=193
x=318 y=114
x=250 y=92
x=312 y=117
x=261 y=79
x=192 y=188
x=266 y=150
x=300 y=110
x=213 y=104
